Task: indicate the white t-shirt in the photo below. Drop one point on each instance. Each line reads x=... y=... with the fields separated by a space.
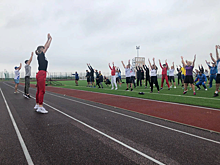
x=17 y=75
x=171 y=72
x=127 y=72
x=132 y=71
x=116 y=74
x=218 y=66
x=153 y=72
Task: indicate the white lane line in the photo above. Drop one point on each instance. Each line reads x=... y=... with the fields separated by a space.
x=145 y=99
x=23 y=146
x=102 y=133
x=113 y=139
x=158 y=125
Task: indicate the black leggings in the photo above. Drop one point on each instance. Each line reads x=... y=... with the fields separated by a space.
x=147 y=80
x=154 y=81
x=180 y=80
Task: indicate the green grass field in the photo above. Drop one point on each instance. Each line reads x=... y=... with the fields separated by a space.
x=202 y=97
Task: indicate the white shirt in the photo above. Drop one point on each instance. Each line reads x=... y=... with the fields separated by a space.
x=171 y=73
x=153 y=72
x=218 y=66
x=132 y=72
x=127 y=72
x=116 y=74
x=17 y=75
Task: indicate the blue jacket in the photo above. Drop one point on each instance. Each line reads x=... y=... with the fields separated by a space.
x=213 y=70
x=201 y=78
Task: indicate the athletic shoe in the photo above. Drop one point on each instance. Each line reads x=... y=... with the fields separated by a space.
x=158 y=92
x=205 y=89
x=131 y=89
x=215 y=94
x=145 y=86
x=116 y=88
x=194 y=93
x=112 y=88
x=29 y=96
x=36 y=106
x=174 y=86
x=198 y=89
x=41 y=110
x=161 y=88
x=127 y=89
x=184 y=92
x=168 y=88
x=25 y=96
x=150 y=91
x=15 y=92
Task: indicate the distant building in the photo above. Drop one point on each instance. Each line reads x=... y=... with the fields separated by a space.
x=138 y=61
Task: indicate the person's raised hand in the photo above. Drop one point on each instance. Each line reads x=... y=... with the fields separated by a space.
x=216 y=46
x=32 y=53
x=195 y=56
x=181 y=57
x=211 y=54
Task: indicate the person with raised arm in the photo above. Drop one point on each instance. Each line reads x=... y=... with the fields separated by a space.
x=213 y=71
x=164 y=74
x=179 y=75
x=91 y=75
x=171 y=74
x=17 y=77
x=128 y=73
x=41 y=75
x=153 y=73
x=147 y=78
x=138 y=68
x=189 y=74
x=27 y=76
x=113 y=78
x=217 y=63
x=201 y=69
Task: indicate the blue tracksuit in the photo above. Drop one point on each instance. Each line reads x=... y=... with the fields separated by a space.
x=202 y=80
x=213 y=71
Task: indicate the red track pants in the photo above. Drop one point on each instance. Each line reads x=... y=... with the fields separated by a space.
x=162 y=80
x=41 y=79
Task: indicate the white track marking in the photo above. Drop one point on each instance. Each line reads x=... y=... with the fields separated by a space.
x=113 y=139
x=23 y=146
x=102 y=133
x=158 y=125
x=189 y=134
x=182 y=104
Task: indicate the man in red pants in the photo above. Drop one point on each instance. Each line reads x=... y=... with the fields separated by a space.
x=164 y=74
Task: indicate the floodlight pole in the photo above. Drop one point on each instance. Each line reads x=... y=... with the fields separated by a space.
x=137 y=47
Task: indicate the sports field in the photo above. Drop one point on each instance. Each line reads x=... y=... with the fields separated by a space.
x=202 y=98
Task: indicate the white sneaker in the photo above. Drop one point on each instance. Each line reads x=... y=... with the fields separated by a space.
x=36 y=107
x=112 y=88
x=41 y=110
x=206 y=89
x=116 y=88
x=174 y=86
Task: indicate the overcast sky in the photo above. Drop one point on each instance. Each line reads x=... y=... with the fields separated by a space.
x=99 y=32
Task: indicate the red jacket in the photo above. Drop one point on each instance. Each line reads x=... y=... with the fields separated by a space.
x=112 y=70
x=164 y=70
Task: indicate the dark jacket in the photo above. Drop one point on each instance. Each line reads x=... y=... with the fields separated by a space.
x=138 y=72
x=91 y=71
x=99 y=78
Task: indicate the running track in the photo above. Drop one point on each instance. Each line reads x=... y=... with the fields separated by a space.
x=80 y=130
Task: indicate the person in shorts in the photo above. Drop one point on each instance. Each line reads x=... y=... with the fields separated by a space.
x=189 y=74
x=128 y=75
x=17 y=77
